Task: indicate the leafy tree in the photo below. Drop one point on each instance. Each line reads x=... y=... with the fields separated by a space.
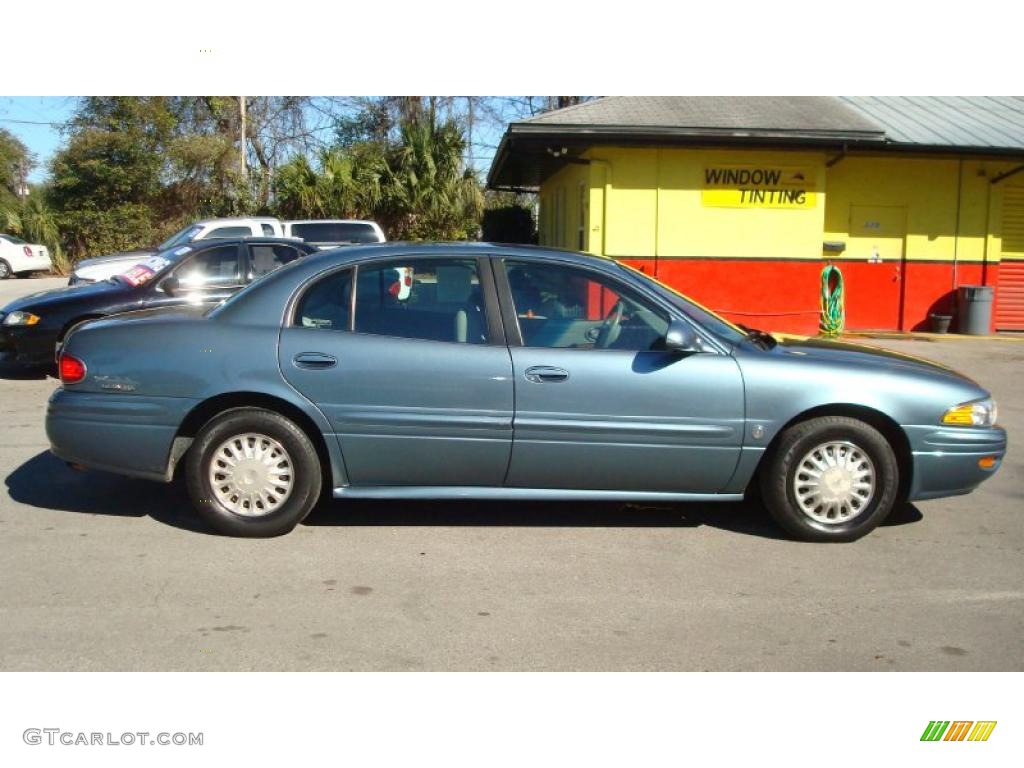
x=32 y=219
x=426 y=191
x=15 y=163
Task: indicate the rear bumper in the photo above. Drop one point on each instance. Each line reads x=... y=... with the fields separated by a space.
x=946 y=459
x=124 y=434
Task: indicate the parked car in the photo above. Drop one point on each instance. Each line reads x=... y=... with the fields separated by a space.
x=32 y=328
x=103 y=267
x=330 y=233
x=18 y=257
x=507 y=373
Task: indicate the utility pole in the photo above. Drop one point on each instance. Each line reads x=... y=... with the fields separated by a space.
x=469 y=133
x=241 y=138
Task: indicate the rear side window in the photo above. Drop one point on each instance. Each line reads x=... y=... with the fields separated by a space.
x=336 y=232
x=267 y=229
x=266 y=258
x=326 y=303
x=221 y=232
x=430 y=299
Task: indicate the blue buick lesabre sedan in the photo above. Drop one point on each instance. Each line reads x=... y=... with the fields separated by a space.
x=495 y=372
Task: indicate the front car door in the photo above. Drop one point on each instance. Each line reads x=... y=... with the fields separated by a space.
x=207 y=276
x=412 y=371
x=600 y=405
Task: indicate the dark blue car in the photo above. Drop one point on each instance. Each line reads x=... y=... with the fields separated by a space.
x=475 y=370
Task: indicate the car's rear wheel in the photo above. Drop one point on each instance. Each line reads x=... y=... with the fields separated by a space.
x=252 y=472
x=831 y=478
x=5 y=270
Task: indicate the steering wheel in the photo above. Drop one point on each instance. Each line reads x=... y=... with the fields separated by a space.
x=609 y=331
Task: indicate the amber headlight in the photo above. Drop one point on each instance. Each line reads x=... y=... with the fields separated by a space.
x=21 y=318
x=980 y=413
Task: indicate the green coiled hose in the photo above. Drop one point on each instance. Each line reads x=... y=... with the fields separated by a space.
x=833 y=312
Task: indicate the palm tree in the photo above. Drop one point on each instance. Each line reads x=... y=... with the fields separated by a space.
x=31 y=219
x=427 y=192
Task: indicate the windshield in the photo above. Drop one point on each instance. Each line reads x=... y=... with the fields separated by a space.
x=335 y=232
x=182 y=236
x=699 y=314
x=146 y=270
x=12 y=239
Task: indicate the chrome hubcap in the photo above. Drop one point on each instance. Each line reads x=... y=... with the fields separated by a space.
x=834 y=482
x=251 y=474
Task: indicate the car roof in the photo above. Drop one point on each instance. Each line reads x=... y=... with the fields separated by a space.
x=330 y=221
x=230 y=220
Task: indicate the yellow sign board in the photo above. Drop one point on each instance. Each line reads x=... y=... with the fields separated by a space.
x=755 y=186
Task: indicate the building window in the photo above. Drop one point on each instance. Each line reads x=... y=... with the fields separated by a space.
x=581 y=218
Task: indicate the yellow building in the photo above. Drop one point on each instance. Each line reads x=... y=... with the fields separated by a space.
x=740 y=201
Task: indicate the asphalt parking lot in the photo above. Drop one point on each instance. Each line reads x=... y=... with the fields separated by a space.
x=106 y=573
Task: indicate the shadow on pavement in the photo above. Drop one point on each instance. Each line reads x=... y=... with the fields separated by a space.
x=46 y=481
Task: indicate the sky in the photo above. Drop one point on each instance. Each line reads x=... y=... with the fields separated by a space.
x=36 y=120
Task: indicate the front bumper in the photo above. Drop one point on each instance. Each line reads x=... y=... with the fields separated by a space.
x=946 y=459
x=27 y=345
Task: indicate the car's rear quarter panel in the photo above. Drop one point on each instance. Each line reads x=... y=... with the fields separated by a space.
x=143 y=379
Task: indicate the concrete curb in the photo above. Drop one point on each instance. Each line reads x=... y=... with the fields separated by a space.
x=914 y=336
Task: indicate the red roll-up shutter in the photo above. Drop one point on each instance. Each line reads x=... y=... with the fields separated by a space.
x=1009 y=309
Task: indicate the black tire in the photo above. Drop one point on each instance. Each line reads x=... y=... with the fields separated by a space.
x=5 y=270
x=777 y=478
x=305 y=473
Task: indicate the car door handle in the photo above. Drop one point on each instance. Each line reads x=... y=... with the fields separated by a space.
x=314 y=361
x=546 y=374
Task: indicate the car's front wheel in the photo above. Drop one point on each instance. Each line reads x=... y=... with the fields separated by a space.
x=831 y=478
x=252 y=472
x=5 y=270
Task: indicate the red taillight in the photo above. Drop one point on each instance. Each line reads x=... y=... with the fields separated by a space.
x=27 y=250
x=72 y=370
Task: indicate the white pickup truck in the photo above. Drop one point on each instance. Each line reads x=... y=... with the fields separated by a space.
x=17 y=256
x=103 y=267
x=330 y=233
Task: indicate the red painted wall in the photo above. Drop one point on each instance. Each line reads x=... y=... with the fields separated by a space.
x=780 y=295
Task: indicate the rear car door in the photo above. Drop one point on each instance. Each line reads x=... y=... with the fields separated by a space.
x=600 y=404
x=412 y=371
x=263 y=258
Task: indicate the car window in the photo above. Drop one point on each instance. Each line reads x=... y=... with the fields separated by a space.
x=185 y=235
x=267 y=229
x=432 y=299
x=265 y=258
x=336 y=232
x=221 y=232
x=562 y=306
x=212 y=268
x=326 y=303
x=12 y=239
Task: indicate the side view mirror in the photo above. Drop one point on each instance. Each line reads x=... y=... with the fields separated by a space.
x=170 y=286
x=680 y=337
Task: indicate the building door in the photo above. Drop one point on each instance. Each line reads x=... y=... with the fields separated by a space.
x=1009 y=309
x=875 y=286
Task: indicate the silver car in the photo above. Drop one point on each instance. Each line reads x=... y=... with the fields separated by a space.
x=507 y=373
